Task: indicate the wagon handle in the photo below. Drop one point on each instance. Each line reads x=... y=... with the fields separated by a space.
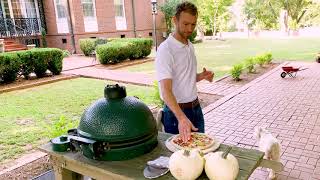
x=303 y=69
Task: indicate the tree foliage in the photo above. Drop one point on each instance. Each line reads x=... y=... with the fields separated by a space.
x=265 y=13
x=312 y=15
x=213 y=14
x=168 y=8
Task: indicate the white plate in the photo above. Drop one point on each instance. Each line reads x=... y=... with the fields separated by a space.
x=172 y=148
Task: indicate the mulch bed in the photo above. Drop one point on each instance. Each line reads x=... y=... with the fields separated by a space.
x=22 y=83
x=248 y=77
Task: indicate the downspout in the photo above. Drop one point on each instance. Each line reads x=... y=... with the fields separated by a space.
x=134 y=19
x=42 y=15
x=1 y=13
x=73 y=42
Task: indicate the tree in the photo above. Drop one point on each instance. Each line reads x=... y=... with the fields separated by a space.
x=213 y=14
x=262 y=13
x=168 y=8
x=267 y=11
x=312 y=15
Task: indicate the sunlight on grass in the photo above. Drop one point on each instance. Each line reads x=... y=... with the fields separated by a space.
x=25 y=114
x=217 y=55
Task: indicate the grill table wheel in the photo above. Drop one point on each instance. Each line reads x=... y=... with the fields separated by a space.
x=291 y=71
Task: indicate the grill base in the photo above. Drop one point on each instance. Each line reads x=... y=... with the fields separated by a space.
x=124 y=153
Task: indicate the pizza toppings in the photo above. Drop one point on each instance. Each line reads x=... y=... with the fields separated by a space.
x=197 y=140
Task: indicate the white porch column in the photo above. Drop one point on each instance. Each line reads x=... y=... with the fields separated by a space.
x=1 y=45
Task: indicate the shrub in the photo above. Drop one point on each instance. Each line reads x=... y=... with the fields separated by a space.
x=113 y=52
x=87 y=46
x=114 y=39
x=249 y=64
x=268 y=58
x=43 y=38
x=27 y=64
x=193 y=36
x=140 y=47
x=146 y=50
x=9 y=67
x=100 y=41
x=40 y=58
x=265 y=58
x=259 y=60
x=66 y=53
x=37 y=60
x=136 y=47
x=236 y=71
x=60 y=126
x=120 y=49
x=55 y=61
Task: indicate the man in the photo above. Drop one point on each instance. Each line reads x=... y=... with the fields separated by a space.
x=176 y=69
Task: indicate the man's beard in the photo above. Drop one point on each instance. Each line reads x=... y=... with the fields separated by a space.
x=182 y=34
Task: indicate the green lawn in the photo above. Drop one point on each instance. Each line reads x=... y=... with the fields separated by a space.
x=221 y=55
x=25 y=114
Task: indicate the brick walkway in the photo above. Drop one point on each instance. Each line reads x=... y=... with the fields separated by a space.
x=86 y=67
x=289 y=108
x=216 y=88
x=75 y=62
x=115 y=75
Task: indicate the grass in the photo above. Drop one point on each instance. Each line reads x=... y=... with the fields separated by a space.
x=25 y=114
x=220 y=56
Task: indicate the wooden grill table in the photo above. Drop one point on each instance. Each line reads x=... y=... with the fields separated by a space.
x=68 y=165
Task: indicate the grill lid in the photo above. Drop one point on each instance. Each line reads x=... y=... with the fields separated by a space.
x=117 y=118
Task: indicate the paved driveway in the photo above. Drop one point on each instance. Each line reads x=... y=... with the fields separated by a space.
x=289 y=108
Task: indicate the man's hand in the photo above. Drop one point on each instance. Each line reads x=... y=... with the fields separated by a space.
x=185 y=127
x=207 y=75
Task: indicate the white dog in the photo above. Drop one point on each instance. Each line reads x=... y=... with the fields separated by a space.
x=269 y=145
x=158 y=120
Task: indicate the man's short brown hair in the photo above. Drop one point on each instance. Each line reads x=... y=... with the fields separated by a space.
x=186 y=7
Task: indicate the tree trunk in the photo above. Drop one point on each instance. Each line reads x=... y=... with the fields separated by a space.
x=215 y=21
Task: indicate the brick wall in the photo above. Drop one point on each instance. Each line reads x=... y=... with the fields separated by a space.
x=105 y=12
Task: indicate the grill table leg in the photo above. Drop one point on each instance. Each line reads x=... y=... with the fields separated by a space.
x=65 y=174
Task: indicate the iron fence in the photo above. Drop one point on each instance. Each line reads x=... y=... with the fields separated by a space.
x=19 y=27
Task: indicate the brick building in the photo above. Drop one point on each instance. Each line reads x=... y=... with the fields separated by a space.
x=67 y=21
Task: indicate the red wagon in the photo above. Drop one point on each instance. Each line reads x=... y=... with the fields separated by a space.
x=291 y=71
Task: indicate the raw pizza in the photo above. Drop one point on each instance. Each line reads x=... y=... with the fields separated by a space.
x=197 y=140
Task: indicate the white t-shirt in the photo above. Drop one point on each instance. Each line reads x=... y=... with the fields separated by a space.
x=177 y=61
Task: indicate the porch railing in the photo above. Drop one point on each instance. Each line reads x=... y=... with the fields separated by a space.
x=19 y=27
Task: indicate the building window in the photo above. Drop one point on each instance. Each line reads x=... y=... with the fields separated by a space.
x=88 y=8
x=61 y=16
x=31 y=11
x=61 y=9
x=121 y=23
x=119 y=8
x=19 y=8
x=89 y=15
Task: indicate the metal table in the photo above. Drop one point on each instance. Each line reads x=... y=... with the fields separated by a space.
x=71 y=165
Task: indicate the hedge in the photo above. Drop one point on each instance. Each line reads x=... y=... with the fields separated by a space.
x=120 y=49
x=37 y=60
x=113 y=52
x=88 y=45
x=9 y=67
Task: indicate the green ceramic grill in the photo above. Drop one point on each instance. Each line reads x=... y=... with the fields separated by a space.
x=116 y=127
